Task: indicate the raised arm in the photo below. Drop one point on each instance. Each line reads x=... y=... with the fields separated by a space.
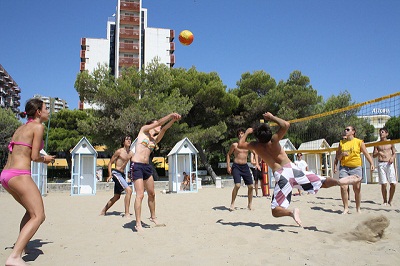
x=283 y=125
x=161 y=121
x=243 y=144
x=168 y=125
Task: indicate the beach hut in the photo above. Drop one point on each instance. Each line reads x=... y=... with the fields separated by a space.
x=287 y=145
x=83 y=174
x=39 y=174
x=318 y=161
x=183 y=158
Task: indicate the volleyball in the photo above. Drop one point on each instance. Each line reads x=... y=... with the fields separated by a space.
x=186 y=37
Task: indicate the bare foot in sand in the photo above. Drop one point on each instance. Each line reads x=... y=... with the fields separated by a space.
x=127 y=216
x=139 y=228
x=296 y=216
x=102 y=214
x=15 y=261
x=358 y=210
x=345 y=211
x=249 y=207
x=349 y=180
x=154 y=220
x=232 y=208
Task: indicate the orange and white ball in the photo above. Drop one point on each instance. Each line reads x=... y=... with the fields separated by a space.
x=186 y=37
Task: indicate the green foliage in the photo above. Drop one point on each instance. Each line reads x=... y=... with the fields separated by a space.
x=393 y=126
x=65 y=132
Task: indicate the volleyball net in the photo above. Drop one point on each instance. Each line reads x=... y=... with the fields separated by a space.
x=321 y=132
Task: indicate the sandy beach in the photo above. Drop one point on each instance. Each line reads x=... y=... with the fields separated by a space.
x=200 y=230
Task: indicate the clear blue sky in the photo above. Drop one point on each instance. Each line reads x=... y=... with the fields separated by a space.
x=340 y=45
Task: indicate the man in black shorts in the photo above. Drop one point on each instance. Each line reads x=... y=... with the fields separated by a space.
x=239 y=169
x=121 y=158
x=256 y=170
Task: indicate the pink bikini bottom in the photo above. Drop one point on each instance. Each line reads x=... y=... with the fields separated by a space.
x=7 y=174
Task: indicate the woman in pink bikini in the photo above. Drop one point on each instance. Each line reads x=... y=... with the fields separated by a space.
x=25 y=146
x=141 y=172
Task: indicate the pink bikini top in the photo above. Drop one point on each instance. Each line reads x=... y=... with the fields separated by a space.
x=12 y=143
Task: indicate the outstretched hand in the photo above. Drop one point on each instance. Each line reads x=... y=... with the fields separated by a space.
x=176 y=116
x=267 y=116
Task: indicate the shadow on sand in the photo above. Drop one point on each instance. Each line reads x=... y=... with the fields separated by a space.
x=273 y=227
x=33 y=249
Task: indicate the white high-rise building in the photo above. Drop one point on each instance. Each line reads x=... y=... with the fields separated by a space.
x=129 y=43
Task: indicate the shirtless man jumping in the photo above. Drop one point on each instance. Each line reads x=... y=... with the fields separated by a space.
x=121 y=157
x=239 y=169
x=386 y=155
x=287 y=174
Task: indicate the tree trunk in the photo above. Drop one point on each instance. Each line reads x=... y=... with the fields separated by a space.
x=203 y=159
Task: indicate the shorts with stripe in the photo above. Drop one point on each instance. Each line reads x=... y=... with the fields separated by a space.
x=119 y=180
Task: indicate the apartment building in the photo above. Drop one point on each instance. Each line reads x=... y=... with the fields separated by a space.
x=54 y=104
x=9 y=92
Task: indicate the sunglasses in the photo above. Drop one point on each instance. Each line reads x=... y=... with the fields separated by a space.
x=347 y=129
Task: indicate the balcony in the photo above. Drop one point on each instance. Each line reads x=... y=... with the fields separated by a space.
x=128 y=61
x=129 y=33
x=83 y=54
x=130 y=20
x=82 y=68
x=171 y=47
x=129 y=6
x=171 y=35
x=128 y=47
x=17 y=89
x=172 y=60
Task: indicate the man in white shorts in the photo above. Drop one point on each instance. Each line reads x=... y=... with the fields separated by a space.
x=386 y=154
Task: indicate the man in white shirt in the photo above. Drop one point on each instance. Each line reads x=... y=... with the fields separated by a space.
x=302 y=165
